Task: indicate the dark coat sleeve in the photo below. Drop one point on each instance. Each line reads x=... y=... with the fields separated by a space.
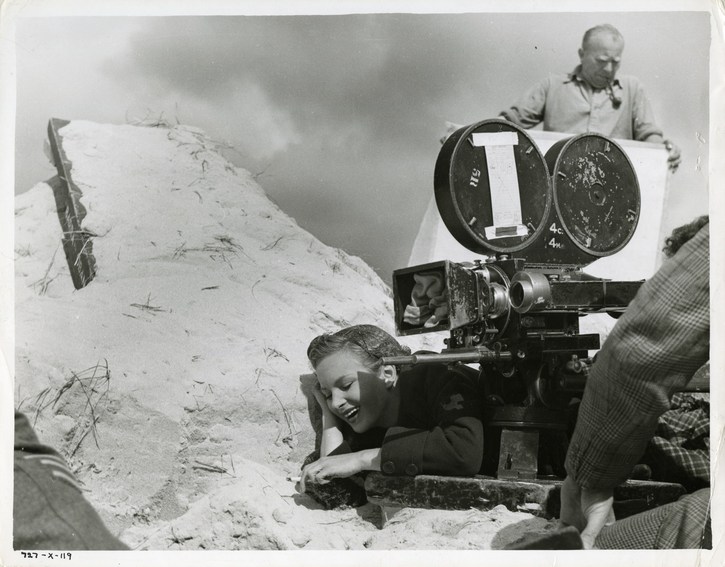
x=441 y=431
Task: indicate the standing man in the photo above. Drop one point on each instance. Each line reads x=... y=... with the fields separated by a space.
x=592 y=98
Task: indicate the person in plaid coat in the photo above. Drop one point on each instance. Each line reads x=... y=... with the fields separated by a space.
x=653 y=351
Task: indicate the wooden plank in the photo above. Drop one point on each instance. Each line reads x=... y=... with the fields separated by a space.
x=538 y=497
x=77 y=243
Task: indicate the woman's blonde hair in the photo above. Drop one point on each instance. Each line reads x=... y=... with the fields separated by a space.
x=368 y=342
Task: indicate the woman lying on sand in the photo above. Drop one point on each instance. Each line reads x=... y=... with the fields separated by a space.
x=375 y=417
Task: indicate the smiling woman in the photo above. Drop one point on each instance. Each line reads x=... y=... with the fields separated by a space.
x=398 y=420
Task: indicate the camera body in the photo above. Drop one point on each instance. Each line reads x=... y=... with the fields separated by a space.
x=537 y=221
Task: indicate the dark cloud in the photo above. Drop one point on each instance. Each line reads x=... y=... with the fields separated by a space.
x=345 y=112
x=370 y=72
x=366 y=92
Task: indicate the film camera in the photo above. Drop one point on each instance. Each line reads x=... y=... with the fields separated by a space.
x=538 y=220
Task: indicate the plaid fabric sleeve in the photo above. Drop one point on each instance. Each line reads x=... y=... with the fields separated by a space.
x=653 y=350
x=683 y=524
x=680 y=450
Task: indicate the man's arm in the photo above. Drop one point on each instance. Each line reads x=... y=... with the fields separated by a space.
x=653 y=351
x=528 y=111
x=644 y=127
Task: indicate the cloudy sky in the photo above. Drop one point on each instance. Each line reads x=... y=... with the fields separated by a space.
x=340 y=115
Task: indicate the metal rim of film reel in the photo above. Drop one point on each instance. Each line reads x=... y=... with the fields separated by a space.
x=594 y=187
x=462 y=188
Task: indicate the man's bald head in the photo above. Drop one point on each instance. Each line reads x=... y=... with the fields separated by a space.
x=605 y=29
x=600 y=55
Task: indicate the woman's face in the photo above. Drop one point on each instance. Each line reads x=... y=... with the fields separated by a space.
x=356 y=394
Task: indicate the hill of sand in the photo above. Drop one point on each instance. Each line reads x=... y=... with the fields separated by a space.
x=171 y=383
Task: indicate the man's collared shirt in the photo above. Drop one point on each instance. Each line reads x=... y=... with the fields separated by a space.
x=567 y=103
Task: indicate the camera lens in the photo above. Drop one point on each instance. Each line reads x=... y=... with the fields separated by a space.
x=517 y=294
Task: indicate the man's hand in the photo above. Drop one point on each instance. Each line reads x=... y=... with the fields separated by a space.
x=336 y=466
x=586 y=509
x=674 y=158
x=450 y=128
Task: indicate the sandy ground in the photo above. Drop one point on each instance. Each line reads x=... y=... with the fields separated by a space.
x=172 y=382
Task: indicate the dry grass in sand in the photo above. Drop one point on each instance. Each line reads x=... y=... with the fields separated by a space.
x=41 y=285
x=90 y=387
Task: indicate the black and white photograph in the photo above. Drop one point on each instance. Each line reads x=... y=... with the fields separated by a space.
x=361 y=282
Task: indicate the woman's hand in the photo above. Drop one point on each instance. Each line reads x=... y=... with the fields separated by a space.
x=340 y=466
x=320 y=397
x=326 y=468
x=331 y=433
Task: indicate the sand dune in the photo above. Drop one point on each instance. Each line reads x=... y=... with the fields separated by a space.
x=171 y=383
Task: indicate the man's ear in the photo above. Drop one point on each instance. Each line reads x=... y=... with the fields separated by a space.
x=581 y=53
x=389 y=375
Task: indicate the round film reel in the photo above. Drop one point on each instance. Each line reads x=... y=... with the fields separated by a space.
x=596 y=193
x=492 y=187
